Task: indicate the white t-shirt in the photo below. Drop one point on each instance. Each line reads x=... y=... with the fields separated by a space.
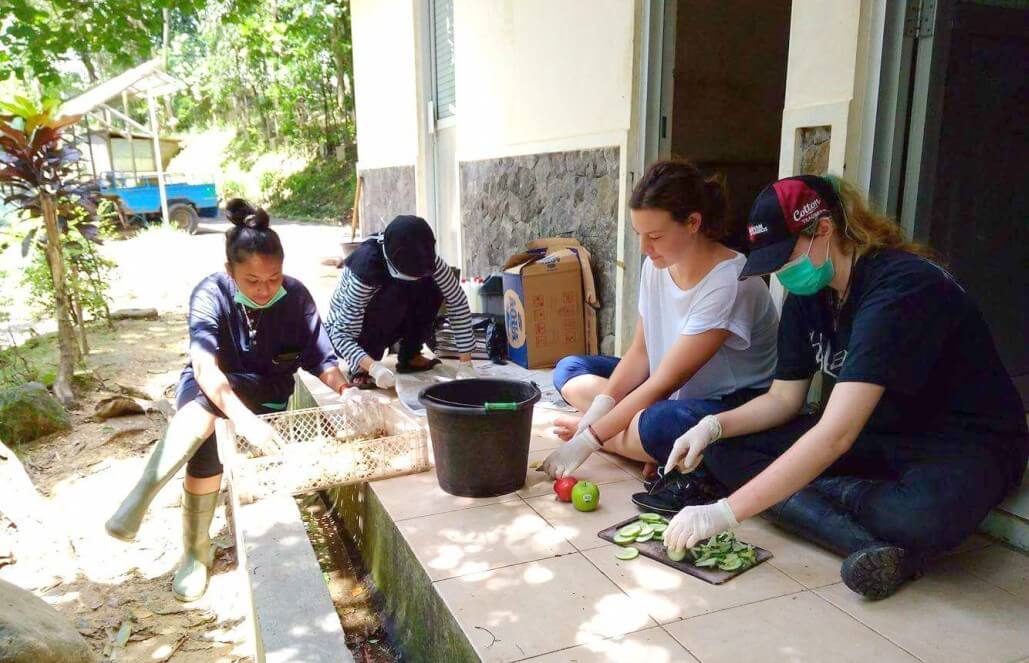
x=720 y=301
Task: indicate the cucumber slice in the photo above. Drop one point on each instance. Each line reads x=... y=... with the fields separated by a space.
x=651 y=517
x=730 y=564
x=676 y=555
x=627 y=553
x=632 y=529
x=646 y=529
x=659 y=536
x=659 y=527
x=624 y=540
x=643 y=538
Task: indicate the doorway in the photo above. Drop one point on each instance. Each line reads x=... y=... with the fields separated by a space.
x=725 y=99
x=962 y=183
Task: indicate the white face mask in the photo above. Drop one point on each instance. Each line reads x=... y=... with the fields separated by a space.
x=393 y=271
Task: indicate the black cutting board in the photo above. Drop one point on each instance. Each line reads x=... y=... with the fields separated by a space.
x=655 y=550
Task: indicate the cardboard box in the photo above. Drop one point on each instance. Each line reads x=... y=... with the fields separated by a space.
x=549 y=303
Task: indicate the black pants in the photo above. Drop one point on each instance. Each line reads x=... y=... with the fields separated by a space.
x=925 y=492
x=403 y=311
x=262 y=394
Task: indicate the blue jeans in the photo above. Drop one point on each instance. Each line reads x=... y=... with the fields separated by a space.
x=924 y=491
x=663 y=422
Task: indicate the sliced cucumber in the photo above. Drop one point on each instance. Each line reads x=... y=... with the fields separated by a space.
x=646 y=529
x=627 y=553
x=624 y=540
x=659 y=527
x=643 y=538
x=676 y=555
x=730 y=564
x=632 y=529
x=651 y=517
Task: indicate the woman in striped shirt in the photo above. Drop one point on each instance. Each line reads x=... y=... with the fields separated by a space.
x=390 y=290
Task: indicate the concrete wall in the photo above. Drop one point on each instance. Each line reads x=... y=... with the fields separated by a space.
x=540 y=76
x=386 y=193
x=386 y=107
x=544 y=94
x=822 y=83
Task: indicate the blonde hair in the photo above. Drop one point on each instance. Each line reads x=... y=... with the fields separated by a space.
x=866 y=230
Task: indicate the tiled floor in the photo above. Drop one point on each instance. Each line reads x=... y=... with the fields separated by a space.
x=527 y=578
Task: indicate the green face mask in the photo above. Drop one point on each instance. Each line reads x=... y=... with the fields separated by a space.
x=251 y=304
x=801 y=277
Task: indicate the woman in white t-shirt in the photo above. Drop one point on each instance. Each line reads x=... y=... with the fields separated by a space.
x=704 y=342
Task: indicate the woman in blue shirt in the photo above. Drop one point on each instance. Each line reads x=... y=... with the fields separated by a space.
x=923 y=432
x=250 y=329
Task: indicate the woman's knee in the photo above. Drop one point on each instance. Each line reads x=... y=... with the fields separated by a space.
x=568 y=368
x=205 y=462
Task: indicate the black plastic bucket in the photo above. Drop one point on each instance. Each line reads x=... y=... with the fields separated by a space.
x=480 y=434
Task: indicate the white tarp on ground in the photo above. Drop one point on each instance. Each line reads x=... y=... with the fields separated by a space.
x=408 y=385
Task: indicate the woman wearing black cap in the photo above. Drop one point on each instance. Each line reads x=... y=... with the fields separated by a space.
x=923 y=432
x=390 y=290
x=250 y=329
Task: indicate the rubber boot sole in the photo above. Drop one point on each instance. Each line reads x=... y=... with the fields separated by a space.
x=118 y=535
x=876 y=573
x=190 y=599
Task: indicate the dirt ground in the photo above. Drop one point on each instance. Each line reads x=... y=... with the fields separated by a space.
x=84 y=473
x=113 y=589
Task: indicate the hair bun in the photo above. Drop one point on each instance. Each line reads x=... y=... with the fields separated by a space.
x=258 y=219
x=237 y=211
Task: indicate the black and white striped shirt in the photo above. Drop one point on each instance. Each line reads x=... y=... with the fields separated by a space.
x=350 y=300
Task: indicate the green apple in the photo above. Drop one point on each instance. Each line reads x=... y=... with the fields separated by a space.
x=585 y=496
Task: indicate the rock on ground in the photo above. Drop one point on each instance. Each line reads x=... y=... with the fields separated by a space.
x=29 y=411
x=33 y=632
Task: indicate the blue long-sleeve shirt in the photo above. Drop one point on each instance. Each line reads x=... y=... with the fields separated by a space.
x=287 y=335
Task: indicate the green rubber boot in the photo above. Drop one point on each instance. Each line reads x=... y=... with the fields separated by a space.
x=170 y=454
x=190 y=581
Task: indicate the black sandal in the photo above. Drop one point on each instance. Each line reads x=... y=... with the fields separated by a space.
x=405 y=367
x=362 y=380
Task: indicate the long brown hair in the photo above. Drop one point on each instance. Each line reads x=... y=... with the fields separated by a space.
x=866 y=230
x=679 y=188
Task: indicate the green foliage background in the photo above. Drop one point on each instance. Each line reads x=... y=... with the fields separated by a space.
x=278 y=74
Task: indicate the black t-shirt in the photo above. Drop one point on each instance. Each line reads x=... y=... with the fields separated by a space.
x=910 y=327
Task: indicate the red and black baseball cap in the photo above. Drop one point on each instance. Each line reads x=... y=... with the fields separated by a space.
x=781 y=211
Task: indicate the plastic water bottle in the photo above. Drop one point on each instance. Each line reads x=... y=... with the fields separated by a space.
x=474 y=302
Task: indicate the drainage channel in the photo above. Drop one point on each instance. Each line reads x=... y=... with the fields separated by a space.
x=350 y=586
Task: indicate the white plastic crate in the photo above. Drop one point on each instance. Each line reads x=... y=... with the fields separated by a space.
x=326 y=446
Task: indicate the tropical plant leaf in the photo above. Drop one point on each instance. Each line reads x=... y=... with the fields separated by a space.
x=20 y=139
x=26 y=242
x=90 y=232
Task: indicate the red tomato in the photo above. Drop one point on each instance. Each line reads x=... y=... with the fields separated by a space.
x=563 y=488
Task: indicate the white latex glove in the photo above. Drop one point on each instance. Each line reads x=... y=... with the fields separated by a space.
x=384 y=378
x=260 y=434
x=466 y=371
x=689 y=448
x=600 y=406
x=566 y=459
x=696 y=523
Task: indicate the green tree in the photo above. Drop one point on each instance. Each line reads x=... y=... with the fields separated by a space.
x=36 y=37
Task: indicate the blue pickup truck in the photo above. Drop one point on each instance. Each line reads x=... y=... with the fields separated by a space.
x=141 y=203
